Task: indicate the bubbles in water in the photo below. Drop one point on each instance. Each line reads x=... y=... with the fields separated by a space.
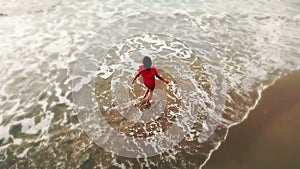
x=254 y=46
x=15 y=7
x=114 y=121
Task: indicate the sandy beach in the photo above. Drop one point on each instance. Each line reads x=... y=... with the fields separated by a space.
x=269 y=138
x=66 y=100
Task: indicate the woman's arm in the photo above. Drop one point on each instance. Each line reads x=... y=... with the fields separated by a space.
x=161 y=78
x=135 y=77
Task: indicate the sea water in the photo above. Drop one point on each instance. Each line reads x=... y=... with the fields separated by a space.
x=65 y=64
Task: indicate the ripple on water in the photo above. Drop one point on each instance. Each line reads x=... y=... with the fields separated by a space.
x=17 y=7
x=252 y=45
x=193 y=101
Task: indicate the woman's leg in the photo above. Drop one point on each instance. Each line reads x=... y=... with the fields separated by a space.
x=146 y=93
x=149 y=97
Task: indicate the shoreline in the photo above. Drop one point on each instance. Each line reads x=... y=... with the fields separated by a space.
x=267 y=138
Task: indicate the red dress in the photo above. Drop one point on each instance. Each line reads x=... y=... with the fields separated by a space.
x=148 y=76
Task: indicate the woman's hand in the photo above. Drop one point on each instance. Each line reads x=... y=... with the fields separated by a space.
x=166 y=81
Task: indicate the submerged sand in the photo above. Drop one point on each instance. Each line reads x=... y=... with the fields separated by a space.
x=270 y=137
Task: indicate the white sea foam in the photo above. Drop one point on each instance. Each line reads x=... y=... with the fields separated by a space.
x=252 y=42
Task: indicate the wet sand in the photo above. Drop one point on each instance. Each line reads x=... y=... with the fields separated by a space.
x=270 y=137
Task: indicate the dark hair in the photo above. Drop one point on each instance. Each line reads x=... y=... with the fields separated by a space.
x=147 y=63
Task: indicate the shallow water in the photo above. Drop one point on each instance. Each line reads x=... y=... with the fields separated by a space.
x=52 y=54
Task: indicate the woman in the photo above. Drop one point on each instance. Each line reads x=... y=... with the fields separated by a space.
x=148 y=73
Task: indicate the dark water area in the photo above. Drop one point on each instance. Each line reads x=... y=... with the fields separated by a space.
x=269 y=138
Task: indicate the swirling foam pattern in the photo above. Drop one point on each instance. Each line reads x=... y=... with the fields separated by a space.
x=199 y=88
x=242 y=47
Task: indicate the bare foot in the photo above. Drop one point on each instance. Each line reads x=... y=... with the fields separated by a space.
x=143 y=101
x=147 y=105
